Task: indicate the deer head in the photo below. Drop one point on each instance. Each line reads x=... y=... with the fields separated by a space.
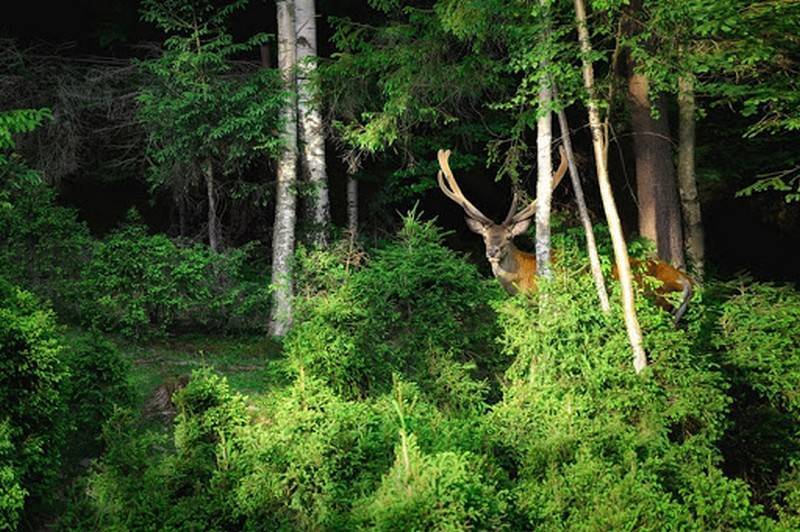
x=498 y=238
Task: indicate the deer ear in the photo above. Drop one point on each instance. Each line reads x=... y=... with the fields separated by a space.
x=520 y=227
x=475 y=226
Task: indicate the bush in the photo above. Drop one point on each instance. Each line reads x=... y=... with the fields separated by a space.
x=33 y=422
x=759 y=339
x=416 y=308
x=439 y=491
x=140 y=284
x=596 y=446
x=97 y=385
x=43 y=246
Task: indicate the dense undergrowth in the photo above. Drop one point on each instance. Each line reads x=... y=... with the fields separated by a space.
x=414 y=395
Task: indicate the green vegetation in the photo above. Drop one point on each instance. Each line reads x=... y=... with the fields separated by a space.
x=140 y=389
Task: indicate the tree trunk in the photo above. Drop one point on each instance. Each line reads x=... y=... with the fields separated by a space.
x=312 y=136
x=591 y=245
x=213 y=221
x=544 y=182
x=352 y=206
x=283 y=233
x=687 y=182
x=656 y=186
x=609 y=205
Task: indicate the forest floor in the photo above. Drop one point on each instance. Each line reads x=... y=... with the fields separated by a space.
x=253 y=364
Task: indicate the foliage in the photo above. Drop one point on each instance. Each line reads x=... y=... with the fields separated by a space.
x=34 y=424
x=197 y=107
x=593 y=444
x=43 y=246
x=416 y=308
x=759 y=338
x=18 y=121
x=439 y=491
x=140 y=284
x=97 y=385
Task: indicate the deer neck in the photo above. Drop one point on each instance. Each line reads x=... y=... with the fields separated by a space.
x=507 y=270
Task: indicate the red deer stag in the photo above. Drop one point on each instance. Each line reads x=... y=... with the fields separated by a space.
x=516 y=269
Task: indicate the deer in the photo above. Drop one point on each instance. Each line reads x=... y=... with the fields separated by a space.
x=516 y=269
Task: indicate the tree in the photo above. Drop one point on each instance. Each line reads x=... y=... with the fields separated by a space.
x=283 y=232
x=687 y=180
x=656 y=186
x=312 y=138
x=599 y=143
x=544 y=166
x=205 y=116
x=583 y=212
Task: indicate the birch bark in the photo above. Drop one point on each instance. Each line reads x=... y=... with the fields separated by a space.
x=283 y=233
x=312 y=137
x=609 y=205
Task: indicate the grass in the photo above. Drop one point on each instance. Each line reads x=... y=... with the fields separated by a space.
x=253 y=364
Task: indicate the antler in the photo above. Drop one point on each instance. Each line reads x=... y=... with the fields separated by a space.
x=453 y=191
x=530 y=210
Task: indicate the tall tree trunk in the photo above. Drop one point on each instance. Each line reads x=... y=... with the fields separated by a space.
x=544 y=182
x=312 y=136
x=352 y=206
x=609 y=205
x=687 y=181
x=213 y=220
x=283 y=233
x=591 y=245
x=656 y=185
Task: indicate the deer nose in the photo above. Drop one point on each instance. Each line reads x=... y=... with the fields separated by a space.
x=492 y=252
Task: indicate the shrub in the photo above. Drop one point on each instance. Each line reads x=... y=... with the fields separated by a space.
x=593 y=444
x=416 y=308
x=32 y=423
x=439 y=491
x=140 y=284
x=97 y=385
x=43 y=246
x=759 y=339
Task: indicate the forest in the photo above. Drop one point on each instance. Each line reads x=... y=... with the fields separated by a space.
x=253 y=273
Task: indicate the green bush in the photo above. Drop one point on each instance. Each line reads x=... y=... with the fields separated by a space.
x=415 y=308
x=594 y=445
x=139 y=284
x=43 y=246
x=439 y=491
x=33 y=422
x=760 y=338
x=97 y=385
x=759 y=342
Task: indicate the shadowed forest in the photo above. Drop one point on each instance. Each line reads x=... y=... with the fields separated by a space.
x=376 y=264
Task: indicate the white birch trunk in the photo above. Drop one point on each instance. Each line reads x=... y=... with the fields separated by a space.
x=591 y=245
x=544 y=184
x=687 y=180
x=609 y=205
x=283 y=233
x=211 y=193
x=312 y=136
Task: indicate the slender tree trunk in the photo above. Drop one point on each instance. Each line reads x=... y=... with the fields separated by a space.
x=544 y=183
x=213 y=221
x=609 y=205
x=352 y=206
x=656 y=185
x=283 y=233
x=687 y=181
x=591 y=245
x=312 y=135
